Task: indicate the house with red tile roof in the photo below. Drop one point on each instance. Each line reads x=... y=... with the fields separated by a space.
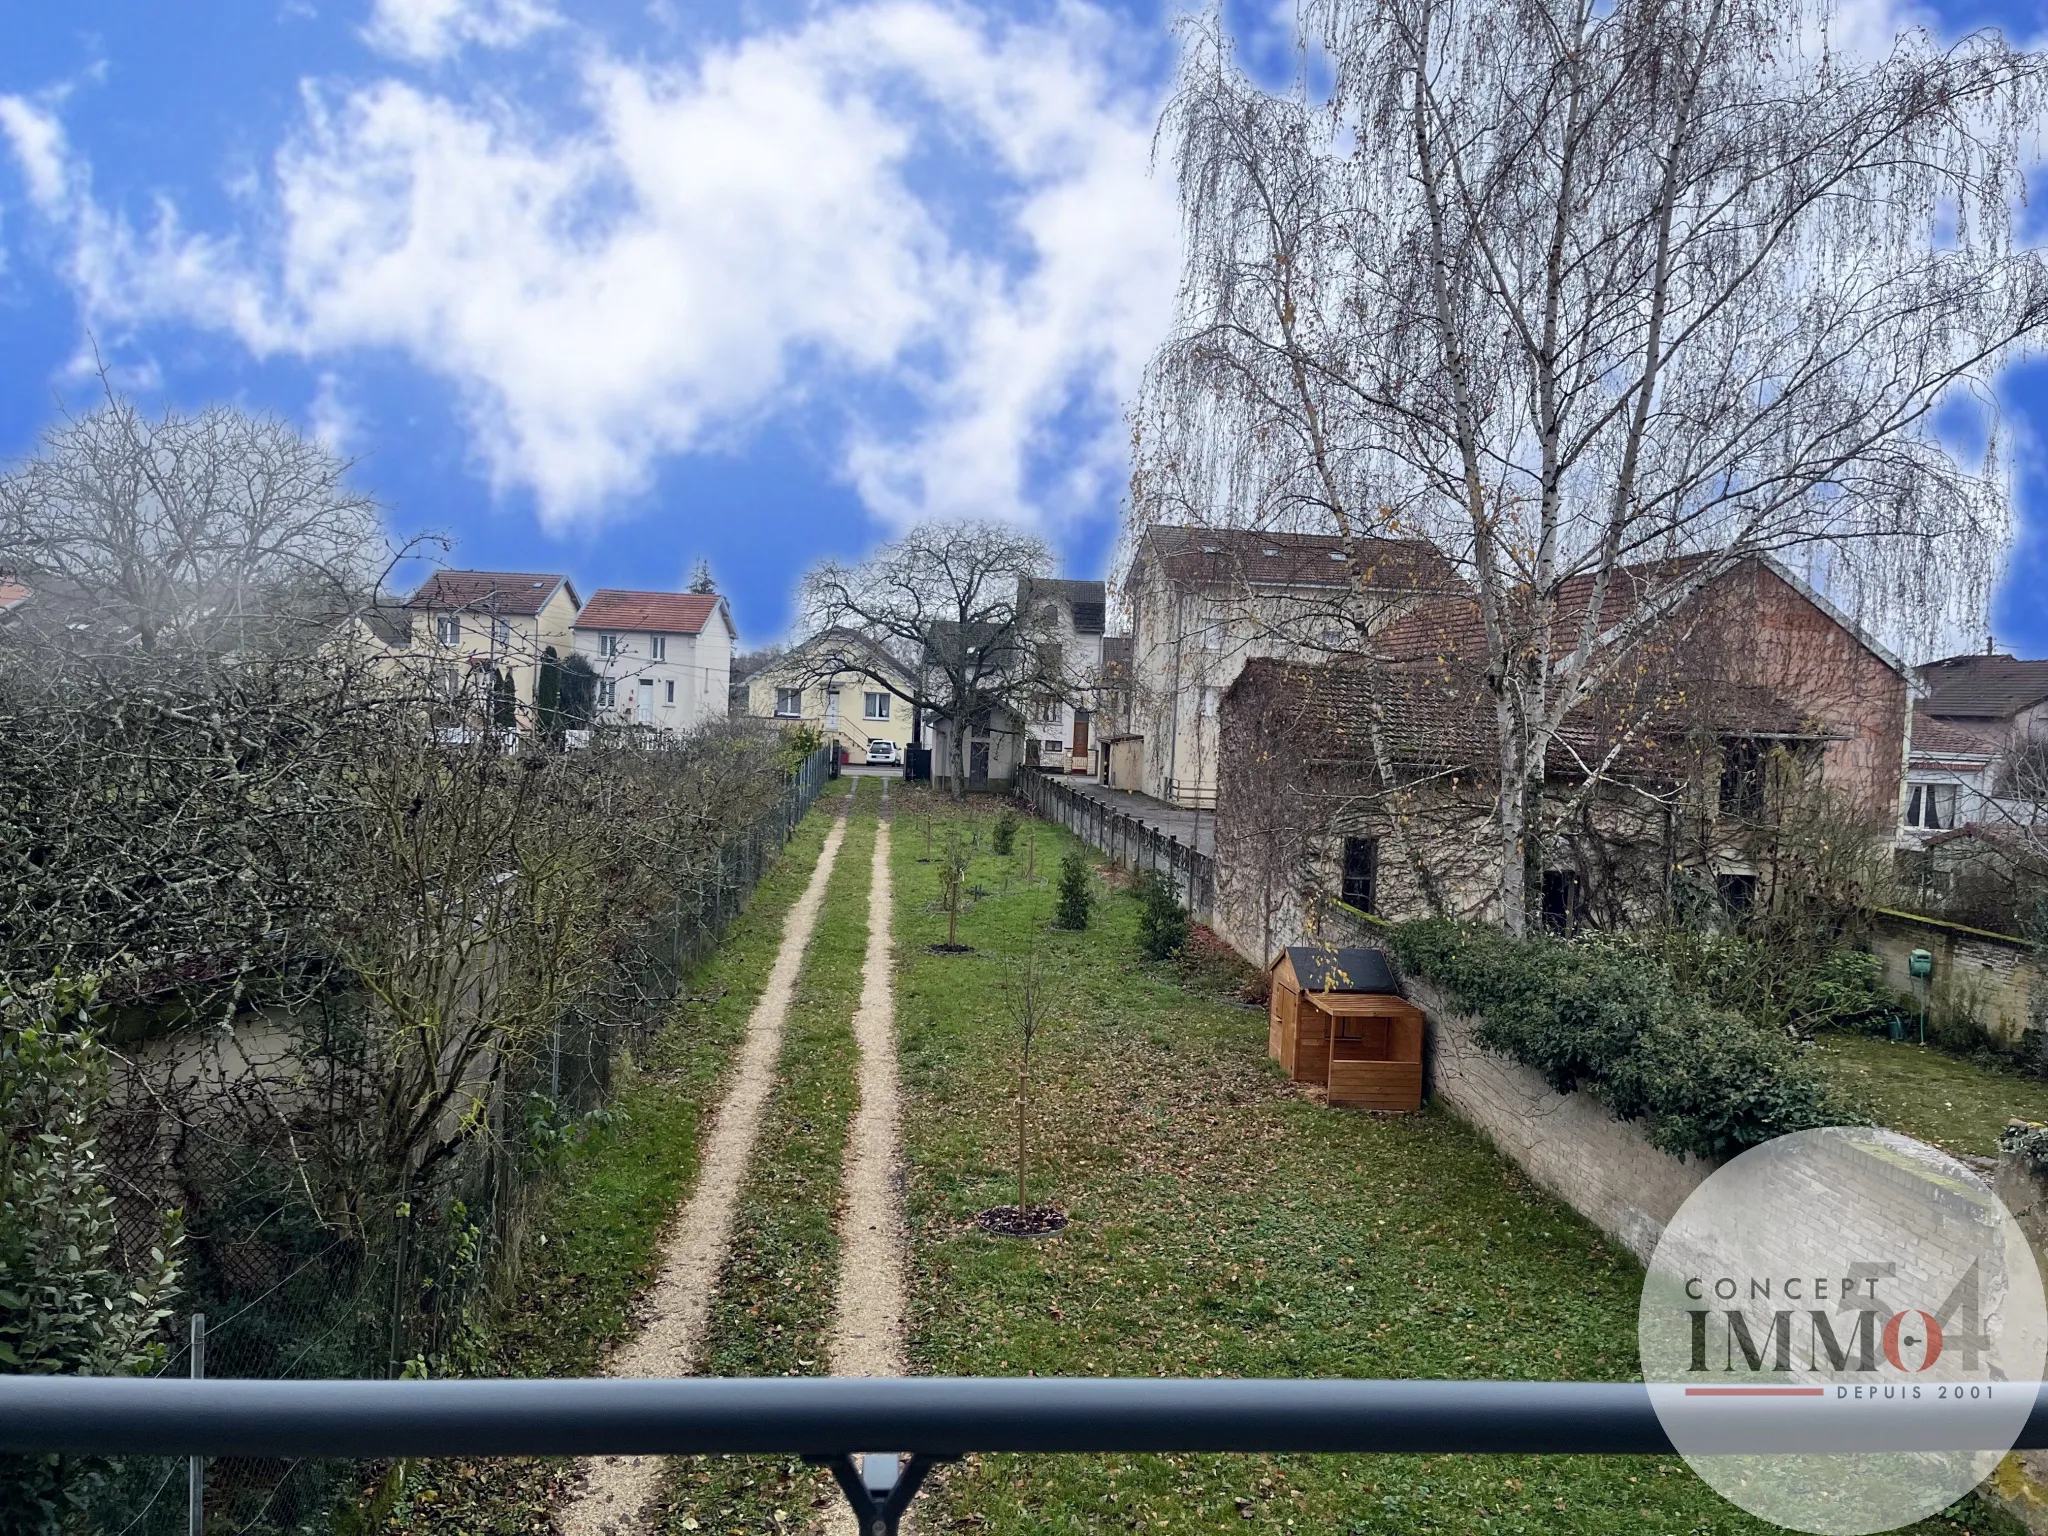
x=1369 y=781
x=482 y=632
x=663 y=659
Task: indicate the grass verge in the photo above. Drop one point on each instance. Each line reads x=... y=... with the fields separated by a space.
x=1223 y=1224
x=772 y=1315
x=592 y=1246
x=1947 y=1101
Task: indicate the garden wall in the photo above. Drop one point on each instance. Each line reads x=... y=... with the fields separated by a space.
x=1602 y=1167
x=1987 y=976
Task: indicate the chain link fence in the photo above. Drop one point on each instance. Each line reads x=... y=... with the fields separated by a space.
x=285 y=1294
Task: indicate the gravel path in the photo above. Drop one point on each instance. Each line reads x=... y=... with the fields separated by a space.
x=615 y=1491
x=867 y=1326
x=867 y=1332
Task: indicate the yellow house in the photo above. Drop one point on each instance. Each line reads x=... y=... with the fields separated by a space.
x=472 y=628
x=798 y=687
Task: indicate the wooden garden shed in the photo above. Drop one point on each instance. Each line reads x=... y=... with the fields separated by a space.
x=1337 y=1018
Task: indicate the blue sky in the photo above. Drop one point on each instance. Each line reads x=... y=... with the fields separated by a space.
x=605 y=287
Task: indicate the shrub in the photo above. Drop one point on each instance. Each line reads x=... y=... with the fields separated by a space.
x=1608 y=1017
x=1004 y=837
x=66 y=1306
x=1075 y=897
x=1162 y=920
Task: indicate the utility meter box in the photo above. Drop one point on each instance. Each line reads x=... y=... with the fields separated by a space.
x=1920 y=964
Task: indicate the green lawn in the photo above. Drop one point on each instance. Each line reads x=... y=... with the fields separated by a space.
x=1223 y=1224
x=592 y=1244
x=1947 y=1101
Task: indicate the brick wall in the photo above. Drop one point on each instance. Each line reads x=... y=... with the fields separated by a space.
x=1602 y=1167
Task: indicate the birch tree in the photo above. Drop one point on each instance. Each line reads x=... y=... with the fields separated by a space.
x=1575 y=289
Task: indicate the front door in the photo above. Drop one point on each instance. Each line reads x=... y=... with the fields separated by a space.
x=977 y=762
x=1078 y=761
x=643 y=701
x=831 y=709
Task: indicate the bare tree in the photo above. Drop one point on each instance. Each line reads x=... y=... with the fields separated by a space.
x=213 y=532
x=1572 y=289
x=945 y=602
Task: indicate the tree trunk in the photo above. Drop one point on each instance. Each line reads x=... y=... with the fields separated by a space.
x=1023 y=1081
x=959 y=755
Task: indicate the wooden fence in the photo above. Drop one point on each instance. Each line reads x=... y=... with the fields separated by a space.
x=1129 y=843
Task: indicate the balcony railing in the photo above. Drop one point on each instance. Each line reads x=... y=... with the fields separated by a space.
x=927 y=1419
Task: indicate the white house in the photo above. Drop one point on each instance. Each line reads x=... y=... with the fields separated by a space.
x=1980 y=713
x=662 y=658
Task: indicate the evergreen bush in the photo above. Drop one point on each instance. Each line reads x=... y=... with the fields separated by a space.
x=1004 y=837
x=1074 y=895
x=1610 y=1019
x=66 y=1305
x=1162 y=920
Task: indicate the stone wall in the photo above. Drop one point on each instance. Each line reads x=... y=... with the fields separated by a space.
x=1569 y=1144
x=1985 y=975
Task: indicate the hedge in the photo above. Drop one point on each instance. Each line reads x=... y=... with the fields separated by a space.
x=1610 y=1019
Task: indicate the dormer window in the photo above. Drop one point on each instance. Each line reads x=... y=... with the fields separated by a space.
x=1270 y=552
x=1337 y=555
x=1212 y=549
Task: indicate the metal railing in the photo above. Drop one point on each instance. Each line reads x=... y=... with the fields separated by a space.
x=823 y=1420
x=1128 y=841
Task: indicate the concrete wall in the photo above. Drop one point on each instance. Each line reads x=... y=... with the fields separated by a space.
x=1993 y=979
x=1602 y=1167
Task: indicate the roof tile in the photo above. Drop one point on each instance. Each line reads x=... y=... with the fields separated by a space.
x=658 y=613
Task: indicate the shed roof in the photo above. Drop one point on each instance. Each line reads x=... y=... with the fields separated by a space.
x=502 y=592
x=658 y=613
x=1328 y=968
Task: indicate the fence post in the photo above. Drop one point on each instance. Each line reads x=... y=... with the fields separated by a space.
x=195 y=1467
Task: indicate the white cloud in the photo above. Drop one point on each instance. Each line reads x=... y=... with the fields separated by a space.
x=37 y=139
x=900 y=202
x=431 y=30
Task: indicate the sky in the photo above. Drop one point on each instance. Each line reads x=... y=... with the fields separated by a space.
x=610 y=286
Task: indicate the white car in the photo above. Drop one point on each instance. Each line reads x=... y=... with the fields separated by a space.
x=881 y=752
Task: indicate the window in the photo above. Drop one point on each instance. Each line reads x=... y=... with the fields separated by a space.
x=671 y=691
x=501 y=634
x=1049 y=711
x=1737 y=892
x=1054 y=747
x=789 y=702
x=449 y=679
x=875 y=706
x=607 y=646
x=607 y=691
x=1932 y=806
x=1561 y=900
x=1212 y=638
x=657 y=647
x=1742 y=777
x=1361 y=872
x=1205 y=702
x=447 y=629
